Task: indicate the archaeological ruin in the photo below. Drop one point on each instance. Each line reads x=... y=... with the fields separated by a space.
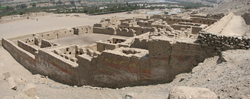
x=138 y=51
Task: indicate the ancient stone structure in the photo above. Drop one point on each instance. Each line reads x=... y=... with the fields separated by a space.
x=141 y=51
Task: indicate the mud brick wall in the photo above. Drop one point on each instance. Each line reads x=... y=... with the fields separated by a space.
x=168 y=58
x=27 y=47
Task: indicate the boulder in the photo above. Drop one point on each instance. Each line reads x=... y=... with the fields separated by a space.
x=183 y=92
x=11 y=83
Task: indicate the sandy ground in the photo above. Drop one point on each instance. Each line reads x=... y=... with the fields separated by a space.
x=53 y=22
x=83 y=39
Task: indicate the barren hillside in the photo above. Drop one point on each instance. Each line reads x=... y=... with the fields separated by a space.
x=235 y=6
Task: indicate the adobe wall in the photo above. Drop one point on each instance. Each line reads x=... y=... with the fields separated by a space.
x=44 y=62
x=56 y=67
x=65 y=33
x=196 y=29
x=179 y=26
x=222 y=42
x=117 y=69
x=171 y=21
x=144 y=23
x=207 y=21
x=141 y=43
x=49 y=35
x=125 y=32
x=169 y=58
x=83 y=30
x=101 y=46
x=46 y=43
x=85 y=69
x=28 y=37
x=109 y=30
x=20 y=55
x=27 y=47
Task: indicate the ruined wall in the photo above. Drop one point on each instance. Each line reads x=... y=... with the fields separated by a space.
x=109 y=30
x=20 y=55
x=142 y=30
x=85 y=69
x=207 y=21
x=65 y=33
x=169 y=58
x=117 y=69
x=83 y=30
x=171 y=21
x=24 y=38
x=140 y=43
x=46 y=43
x=144 y=23
x=196 y=29
x=50 y=35
x=222 y=42
x=125 y=32
x=101 y=46
x=178 y=26
x=56 y=67
x=27 y=47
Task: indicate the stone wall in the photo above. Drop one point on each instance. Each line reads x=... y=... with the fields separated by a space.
x=222 y=42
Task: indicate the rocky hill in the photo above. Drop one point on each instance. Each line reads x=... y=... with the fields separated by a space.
x=235 y=6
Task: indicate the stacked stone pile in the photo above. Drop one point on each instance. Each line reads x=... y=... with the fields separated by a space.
x=222 y=42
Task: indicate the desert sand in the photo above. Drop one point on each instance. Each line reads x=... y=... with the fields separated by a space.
x=53 y=22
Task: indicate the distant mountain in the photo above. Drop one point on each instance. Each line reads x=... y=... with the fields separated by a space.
x=236 y=6
x=209 y=2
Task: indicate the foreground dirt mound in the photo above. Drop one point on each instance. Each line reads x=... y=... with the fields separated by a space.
x=228 y=75
x=183 y=92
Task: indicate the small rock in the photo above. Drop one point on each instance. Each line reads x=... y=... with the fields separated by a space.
x=11 y=83
x=128 y=97
x=30 y=90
